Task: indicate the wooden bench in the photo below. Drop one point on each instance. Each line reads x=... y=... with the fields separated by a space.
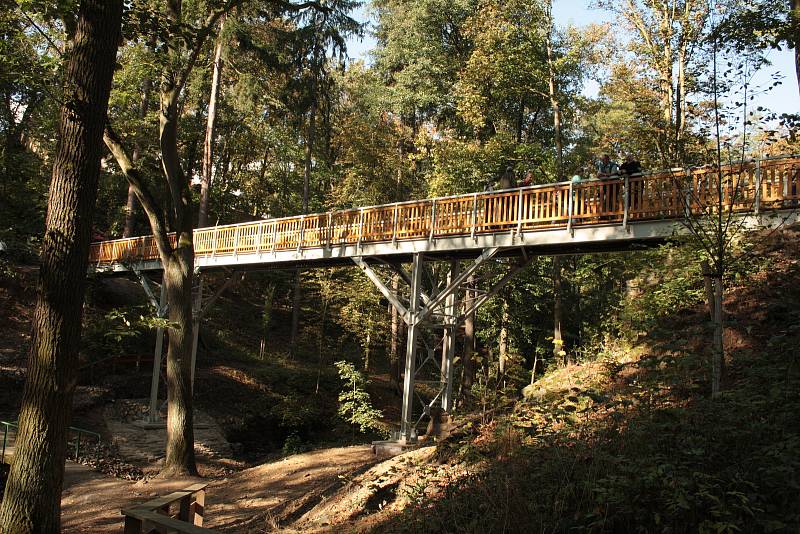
x=157 y=515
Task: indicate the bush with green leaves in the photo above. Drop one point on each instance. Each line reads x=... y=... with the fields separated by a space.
x=355 y=406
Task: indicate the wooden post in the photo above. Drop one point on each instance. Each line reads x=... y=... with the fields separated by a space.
x=132 y=525
x=302 y=232
x=258 y=238
x=330 y=229
x=360 y=228
x=474 y=214
x=214 y=242
x=433 y=220
x=199 y=507
x=626 y=199
x=569 y=207
x=394 y=224
x=757 y=199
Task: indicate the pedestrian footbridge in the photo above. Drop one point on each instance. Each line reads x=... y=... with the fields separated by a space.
x=470 y=231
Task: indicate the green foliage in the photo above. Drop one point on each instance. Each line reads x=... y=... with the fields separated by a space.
x=664 y=280
x=294 y=445
x=354 y=402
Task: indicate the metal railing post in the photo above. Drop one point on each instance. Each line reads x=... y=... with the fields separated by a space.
x=258 y=238
x=519 y=214
x=274 y=236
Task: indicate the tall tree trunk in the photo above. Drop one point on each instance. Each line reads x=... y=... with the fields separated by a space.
x=298 y=295
x=680 y=97
x=178 y=273
x=469 y=339
x=558 y=339
x=130 y=205
x=718 y=364
x=708 y=283
x=554 y=95
x=31 y=503
x=794 y=17
x=503 y=341
x=178 y=269
x=367 y=347
x=208 y=144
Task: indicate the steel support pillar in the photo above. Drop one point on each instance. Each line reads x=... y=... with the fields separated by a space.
x=197 y=309
x=439 y=310
x=407 y=425
x=152 y=413
x=449 y=339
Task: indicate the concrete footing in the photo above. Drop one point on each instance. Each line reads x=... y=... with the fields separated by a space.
x=393 y=447
x=158 y=425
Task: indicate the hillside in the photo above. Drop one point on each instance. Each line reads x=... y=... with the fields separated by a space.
x=629 y=441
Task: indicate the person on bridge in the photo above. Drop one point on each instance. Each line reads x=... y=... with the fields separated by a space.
x=508 y=179
x=630 y=166
x=528 y=180
x=606 y=167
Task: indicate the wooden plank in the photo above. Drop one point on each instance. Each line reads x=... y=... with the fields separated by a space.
x=160 y=520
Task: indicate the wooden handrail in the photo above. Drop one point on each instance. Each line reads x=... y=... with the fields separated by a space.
x=187 y=519
x=766 y=183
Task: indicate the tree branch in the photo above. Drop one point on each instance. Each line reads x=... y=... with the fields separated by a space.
x=149 y=204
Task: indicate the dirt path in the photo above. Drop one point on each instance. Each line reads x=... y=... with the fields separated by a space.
x=252 y=500
x=259 y=498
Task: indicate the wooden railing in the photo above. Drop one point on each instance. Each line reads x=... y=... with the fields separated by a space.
x=749 y=186
x=159 y=515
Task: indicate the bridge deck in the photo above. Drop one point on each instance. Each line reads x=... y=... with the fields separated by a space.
x=570 y=217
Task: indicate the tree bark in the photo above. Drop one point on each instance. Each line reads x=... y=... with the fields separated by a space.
x=178 y=273
x=33 y=492
x=794 y=17
x=503 y=341
x=680 y=108
x=298 y=291
x=469 y=339
x=554 y=96
x=180 y=459
x=708 y=283
x=718 y=364
x=208 y=145
x=297 y=296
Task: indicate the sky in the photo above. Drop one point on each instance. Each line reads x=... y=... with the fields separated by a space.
x=782 y=99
